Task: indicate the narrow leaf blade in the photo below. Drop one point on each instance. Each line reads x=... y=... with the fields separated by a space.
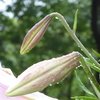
x=89 y=93
x=91 y=64
x=75 y=21
x=84 y=98
x=98 y=54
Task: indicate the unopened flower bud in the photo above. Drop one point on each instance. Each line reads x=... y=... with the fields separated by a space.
x=35 y=34
x=40 y=75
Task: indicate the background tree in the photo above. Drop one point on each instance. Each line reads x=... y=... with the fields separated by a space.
x=56 y=42
x=95 y=24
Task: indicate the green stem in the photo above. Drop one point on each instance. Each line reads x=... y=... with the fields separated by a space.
x=91 y=77
x=86 y=68
x=72 y=33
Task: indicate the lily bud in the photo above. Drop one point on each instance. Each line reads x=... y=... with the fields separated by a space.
x=40 y=75
x=35 y=34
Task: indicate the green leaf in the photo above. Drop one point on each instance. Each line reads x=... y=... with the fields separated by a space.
x=75 y=21
x=89 y=93
x=84 y=98
x=91 y=64
x=98 y=54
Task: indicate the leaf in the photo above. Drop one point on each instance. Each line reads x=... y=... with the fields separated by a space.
x=75 y=21
x=98 y=54
x=83 y=86
x=91 y=64
x=84 y=98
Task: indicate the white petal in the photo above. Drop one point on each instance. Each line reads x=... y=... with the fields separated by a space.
x=6 y=76
x=40 y=96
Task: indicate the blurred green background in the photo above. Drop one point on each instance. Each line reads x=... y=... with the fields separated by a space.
x=56 y=41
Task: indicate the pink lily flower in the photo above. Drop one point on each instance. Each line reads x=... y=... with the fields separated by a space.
x=7 y=79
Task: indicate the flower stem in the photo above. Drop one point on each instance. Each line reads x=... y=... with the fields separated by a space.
x=93 y=81
x=91 y=77
x=72 y=33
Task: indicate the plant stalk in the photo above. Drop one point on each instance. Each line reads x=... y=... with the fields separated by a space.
x=87 y=69
x=72 y=33
x=91 y=77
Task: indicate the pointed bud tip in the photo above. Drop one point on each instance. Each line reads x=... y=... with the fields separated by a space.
x=8 y=94
x=22 y=53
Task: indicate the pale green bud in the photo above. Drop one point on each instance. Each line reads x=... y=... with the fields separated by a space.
x=40 y=75
x=35 y=34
